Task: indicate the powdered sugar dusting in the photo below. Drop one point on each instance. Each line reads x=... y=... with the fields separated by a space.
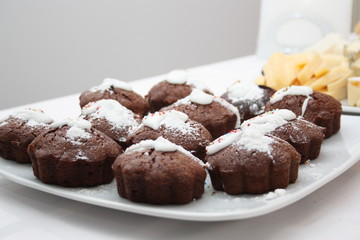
x=113 y=112
x=109 y=83
x=33 y=117
x=171 y=119
x=269 y=121
x=275 y=194
x=243 y=90
x=304 y=106
x=162 y=145
x=155 y=120
x=181 y=76
x=201 y=100
x=291 y=90
x=177 y=76
x=77 y=122
x=223 y=142
x=255 y=140
x=182 y=101
x=81 y=155
x=200 y=97
x=75 y=133
x=77 y=129
x=249 y=139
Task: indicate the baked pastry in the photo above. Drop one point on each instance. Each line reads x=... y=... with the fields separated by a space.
x=304 y=136
x=315 y=107
x=72 y=154
x=248 y=97
x=159 y=172
x=111 y=118
x=119 y=91
x=177 y=84
x=214 y=113
x=18 y=130
x=176 y=127
x=250 y=162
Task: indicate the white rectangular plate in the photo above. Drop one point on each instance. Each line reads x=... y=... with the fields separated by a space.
x=334 y=159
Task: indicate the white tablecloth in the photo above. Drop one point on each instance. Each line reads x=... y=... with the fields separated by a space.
x=332 y=212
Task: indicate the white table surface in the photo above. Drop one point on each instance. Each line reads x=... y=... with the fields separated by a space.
x=332 y=212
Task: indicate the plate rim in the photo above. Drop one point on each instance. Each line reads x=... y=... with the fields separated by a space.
x=158 y=211
x=347 y=108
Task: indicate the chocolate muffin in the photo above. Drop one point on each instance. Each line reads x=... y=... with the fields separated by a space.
x=176 y=127
x=111 y=118
x=303 y=135
x=178 y=84
x=18 y=130
x=159 y=172
x=116 y=90
x=72 y=154
x=250 y=162
x=249 y=98
x=214 y=113
x=315 y=107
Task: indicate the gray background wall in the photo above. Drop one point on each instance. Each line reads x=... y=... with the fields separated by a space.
x=52 y=48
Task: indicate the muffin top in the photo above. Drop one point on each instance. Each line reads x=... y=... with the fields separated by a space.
x=21 y=127
x=159 y=147
x=284 y=124
x=177 y=84
x=116 y=90
x=30 y=117
x=216 y=114
x=305 y=102
x=176 y=127
x=110 y=117
x=248 y=97
x=250 y=150
x=72 y=140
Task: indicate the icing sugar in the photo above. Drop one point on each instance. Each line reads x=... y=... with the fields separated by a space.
x=77 y=122
x=304 y=106
x=291 y=90
x=223 y=142
x=255 y=140
x=162 y=145
x=181 y=76
x=115 y=113
x=81 y=155
x=74 y=133
x=248 y=139
x=33 y=117
x=177 y=76
x=200 y=97
x=76 y=130
x=108 y=83
x=242 y=90
x=171 y=118
x=275 y=194
x=269 y=121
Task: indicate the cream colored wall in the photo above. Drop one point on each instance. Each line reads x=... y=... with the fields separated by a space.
x=52 y=48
